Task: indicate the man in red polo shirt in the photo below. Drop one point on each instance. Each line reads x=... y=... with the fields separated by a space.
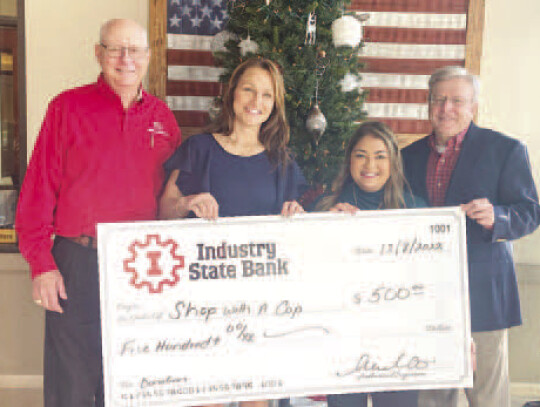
x=98 y=158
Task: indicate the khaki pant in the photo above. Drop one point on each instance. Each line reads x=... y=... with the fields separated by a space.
x=491 y=383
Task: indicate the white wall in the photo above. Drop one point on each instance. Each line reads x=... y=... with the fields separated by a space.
x=60 y=38
x=509 y=102
x=510 y=93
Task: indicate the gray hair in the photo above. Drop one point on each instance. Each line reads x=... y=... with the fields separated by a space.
x=451 y=72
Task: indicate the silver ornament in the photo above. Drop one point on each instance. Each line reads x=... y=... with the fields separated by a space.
x=316 y=122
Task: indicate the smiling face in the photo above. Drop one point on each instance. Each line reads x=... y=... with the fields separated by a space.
x=124 y=72
x=451 y=108
x=370 y=163
x=253 y=98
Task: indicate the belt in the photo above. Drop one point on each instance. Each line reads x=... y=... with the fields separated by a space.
x=83 y=240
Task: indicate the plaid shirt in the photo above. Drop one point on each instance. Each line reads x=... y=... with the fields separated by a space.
x=440 y=167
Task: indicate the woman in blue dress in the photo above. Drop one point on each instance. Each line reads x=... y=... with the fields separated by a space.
x=242 y=165
x=371 y=178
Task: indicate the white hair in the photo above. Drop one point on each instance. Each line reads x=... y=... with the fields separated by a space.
x=107 y=25
x=451 y=72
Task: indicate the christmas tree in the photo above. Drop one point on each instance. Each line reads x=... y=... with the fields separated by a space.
x=313 y=70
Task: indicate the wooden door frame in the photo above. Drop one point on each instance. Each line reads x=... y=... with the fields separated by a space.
x=157 y=31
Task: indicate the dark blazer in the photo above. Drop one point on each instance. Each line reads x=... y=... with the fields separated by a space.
x=496 y=167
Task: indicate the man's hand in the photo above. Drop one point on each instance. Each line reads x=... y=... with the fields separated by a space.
x=480 y=210
x=46 y=288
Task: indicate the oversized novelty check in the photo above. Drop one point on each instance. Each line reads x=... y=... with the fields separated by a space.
x=197 y=312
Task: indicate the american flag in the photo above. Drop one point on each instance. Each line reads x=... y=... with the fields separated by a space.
x=192 y=78
x=405 y=41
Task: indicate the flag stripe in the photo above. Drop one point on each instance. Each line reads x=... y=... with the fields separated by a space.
x=407 y=66
x=190 y=57
x=189 y=41
x=416 y=6
x=190 y=102
x=383 y=80
x=414 y=111
x=410 y=51
x=186 y=88
x=415 y=20
x=193 y=73
x=382 y=95
x=191 y=118
x=414 y=35
x=404 y=126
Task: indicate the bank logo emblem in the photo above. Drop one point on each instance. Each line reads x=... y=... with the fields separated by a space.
x=154 y=264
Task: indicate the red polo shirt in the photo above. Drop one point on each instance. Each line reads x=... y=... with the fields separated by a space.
x=440 y=166
x=93 y=162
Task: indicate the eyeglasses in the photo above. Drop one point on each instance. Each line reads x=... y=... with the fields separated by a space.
x=117 y=52
x=441 y=100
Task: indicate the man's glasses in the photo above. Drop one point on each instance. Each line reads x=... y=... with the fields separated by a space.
x=455 y=101
x=117 y=52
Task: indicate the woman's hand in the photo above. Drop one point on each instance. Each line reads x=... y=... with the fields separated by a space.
x=291 y=207
x=203 y=205
x=344 y=207
x=174 y=205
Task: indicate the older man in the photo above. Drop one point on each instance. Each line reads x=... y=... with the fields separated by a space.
x=489 y=175
x=97 y=159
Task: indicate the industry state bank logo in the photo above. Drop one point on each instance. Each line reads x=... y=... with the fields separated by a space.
x=153 y=263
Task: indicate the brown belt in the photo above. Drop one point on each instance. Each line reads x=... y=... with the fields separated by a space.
x=83 y=240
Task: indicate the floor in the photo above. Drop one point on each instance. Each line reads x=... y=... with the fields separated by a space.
x=32 y=398
x=517 y=401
